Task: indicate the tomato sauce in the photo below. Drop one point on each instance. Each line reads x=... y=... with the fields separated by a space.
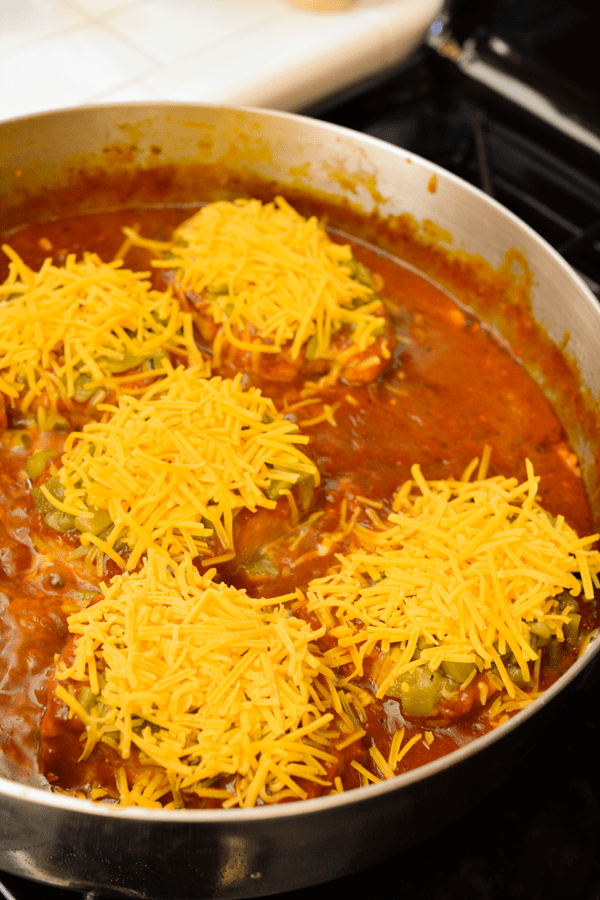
x=452 y=386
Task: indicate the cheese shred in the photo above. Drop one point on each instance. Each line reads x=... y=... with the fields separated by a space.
x=174 y=466
x=210 y=690
x=65 y=331
x=207 y=695
x=466 y=573
x=272 y=278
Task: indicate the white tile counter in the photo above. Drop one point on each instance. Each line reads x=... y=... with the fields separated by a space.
x=58 y=53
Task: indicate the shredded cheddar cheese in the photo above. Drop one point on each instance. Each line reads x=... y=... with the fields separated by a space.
x=175 y=465
x=66 y=330
x=200 y=689
x=273 y=278
x=463 y=572
x=207 y=684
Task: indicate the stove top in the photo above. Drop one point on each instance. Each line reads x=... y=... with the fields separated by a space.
x=496 y=108
x=504 y=102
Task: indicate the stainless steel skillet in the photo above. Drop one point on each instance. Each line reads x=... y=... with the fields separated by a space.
x=79 y=160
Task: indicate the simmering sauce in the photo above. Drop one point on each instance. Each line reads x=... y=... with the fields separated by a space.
x=451 y=386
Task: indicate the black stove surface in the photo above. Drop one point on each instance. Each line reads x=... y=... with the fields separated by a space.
x=537 y=151
x=497 y=109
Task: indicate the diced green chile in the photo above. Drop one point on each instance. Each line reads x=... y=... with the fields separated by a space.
x=94 y=706
x=54 y=487
x=306 y=492
x=60 y=521
x=37 y=463
x=311 y=350
x=131 y=361
x=515 y=673
x=60 y=424
x=17 y=438
x=82 y=391
x=99 y=521
x=425 y=690
x=571 y=627
x=554 y=652
x=569 y=605
x=91 y=702
x=261 y=566
x=304 y=485
x=218 y=290
x=542 y=631
x=565 y=599
x=360 y=273
x=457 y=671
x=155 y=361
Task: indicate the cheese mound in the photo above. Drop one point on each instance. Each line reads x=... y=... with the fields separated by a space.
x=173 y=466
x=207 y=683
x=463 y=572
x=66 y=330
x=273 y=278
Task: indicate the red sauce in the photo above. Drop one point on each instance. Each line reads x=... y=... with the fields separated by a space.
x=452 y=386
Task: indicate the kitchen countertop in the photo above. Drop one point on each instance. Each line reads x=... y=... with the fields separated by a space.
x=59 y=53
